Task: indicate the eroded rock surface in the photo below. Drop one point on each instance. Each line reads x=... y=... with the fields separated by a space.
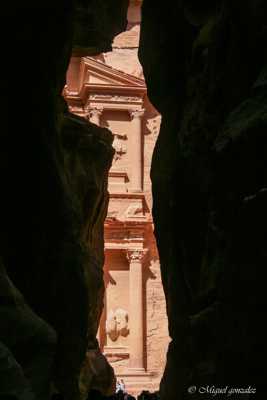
x=209 y=187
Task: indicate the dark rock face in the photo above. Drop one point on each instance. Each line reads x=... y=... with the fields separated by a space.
x=97 y=23
x=53 y=172
x=13 y=382
x=87 y=158
x=21 y=330
x=209 y=180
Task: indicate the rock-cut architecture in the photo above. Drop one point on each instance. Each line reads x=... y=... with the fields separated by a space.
x=209 y=181
x=111 y=92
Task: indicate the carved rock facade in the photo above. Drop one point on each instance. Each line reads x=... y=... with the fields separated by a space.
x=133 y=328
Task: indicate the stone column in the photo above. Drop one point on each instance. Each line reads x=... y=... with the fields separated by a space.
x=95 y=114
x=135 y=258
x=135 y=151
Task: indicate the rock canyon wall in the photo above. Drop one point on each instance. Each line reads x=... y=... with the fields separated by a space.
x=53 y=169
x=206 y=72
x=205 y=69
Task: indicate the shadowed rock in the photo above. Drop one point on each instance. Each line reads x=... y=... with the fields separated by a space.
x=51 y=255
x=209 y=186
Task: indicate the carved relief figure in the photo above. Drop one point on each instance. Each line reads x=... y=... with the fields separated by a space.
x=153 y=125
x=117 y=324
x=119 y=146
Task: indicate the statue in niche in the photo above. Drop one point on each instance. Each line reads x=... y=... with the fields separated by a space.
x=119 y=146
x=117 y=324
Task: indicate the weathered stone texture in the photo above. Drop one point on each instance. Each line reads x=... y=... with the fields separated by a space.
x=125 y=45
x=157 y=325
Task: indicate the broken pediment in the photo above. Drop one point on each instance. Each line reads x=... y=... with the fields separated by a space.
x=100 y=74
x=98 y=79
x=91 y=81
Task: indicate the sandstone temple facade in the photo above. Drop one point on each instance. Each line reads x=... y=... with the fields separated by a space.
x=110 y=91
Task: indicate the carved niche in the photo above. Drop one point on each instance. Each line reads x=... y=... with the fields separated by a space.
x=117 y=324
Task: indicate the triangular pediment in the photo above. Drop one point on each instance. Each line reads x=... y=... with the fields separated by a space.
x=99 y=79
x=102 y=75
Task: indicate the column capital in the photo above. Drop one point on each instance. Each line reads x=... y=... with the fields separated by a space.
x=95 y=111
x=138 y=113
x=136 y=255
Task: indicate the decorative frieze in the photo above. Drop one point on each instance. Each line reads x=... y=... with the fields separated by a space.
x=115 y=98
